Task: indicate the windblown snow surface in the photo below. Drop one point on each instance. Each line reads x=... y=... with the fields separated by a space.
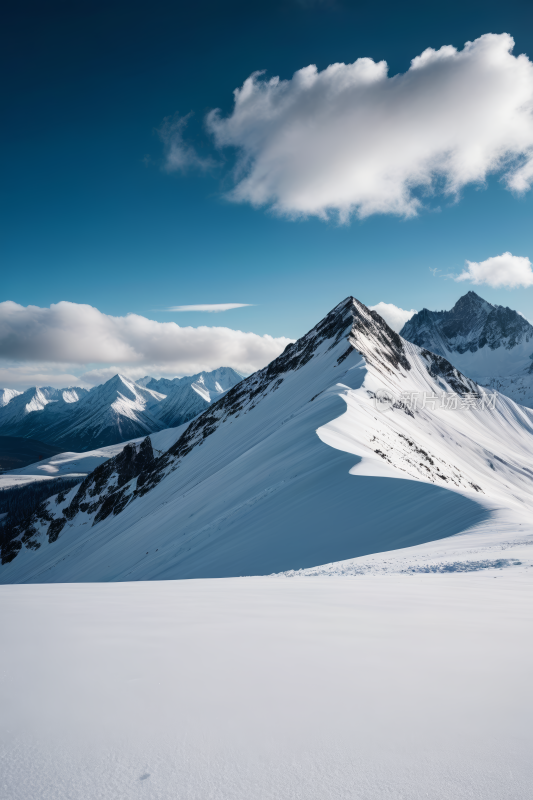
x=389 y=657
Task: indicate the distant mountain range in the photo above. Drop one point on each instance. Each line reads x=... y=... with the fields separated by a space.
x=187 y=397
x=489 y=343
x=120 y=409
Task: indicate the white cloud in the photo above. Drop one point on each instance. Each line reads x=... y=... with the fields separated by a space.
x=22 y=376
x=179 y=155
x=351 y=140
x=394 y=316
x=505 y=270
x=47 y=344
x=211 y=307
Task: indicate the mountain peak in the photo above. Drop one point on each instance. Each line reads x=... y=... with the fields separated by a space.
x=482 y=340
x=119 y=379
x=470 y=302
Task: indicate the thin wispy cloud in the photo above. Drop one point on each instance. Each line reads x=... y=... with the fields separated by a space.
x=212 y=308
x=349 y=140
x=179 y=154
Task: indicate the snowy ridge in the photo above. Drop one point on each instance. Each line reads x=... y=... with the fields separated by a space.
x=250 y=488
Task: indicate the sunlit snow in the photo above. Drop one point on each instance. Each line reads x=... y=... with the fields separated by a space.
x=389 y=657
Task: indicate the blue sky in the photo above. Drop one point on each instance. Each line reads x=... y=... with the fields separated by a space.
x=90 y=215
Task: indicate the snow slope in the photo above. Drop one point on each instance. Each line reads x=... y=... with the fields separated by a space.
x=250 y=488
x=492 y=344
x=379 y=687
x=17 y=452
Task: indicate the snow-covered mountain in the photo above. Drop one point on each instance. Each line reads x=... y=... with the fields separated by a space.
x=15 y=412
x=6 y=395
x=187 y=397
x=217 y=381
x=296 y=466
x=492 y=344
x=113 y=412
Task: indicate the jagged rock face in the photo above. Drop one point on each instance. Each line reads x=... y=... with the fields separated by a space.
x=465 y=321
x=469 y=326
x=492 y=344
x=505 y=327
x=101 y=493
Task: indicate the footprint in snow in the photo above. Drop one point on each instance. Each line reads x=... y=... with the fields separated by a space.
x=143 y=777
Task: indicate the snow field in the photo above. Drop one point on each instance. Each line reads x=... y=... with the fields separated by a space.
x=389 y=686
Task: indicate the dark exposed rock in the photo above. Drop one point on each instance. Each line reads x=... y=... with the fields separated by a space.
x=438 y=367
x=105 y=484
x=471 y=324
x=25 y=506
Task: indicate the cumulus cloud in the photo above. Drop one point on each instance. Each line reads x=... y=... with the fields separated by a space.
x=179 y=155
x=211 y=307
x=394 y=316
x=69 y=335
x=505 y=270
x=350 y=140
